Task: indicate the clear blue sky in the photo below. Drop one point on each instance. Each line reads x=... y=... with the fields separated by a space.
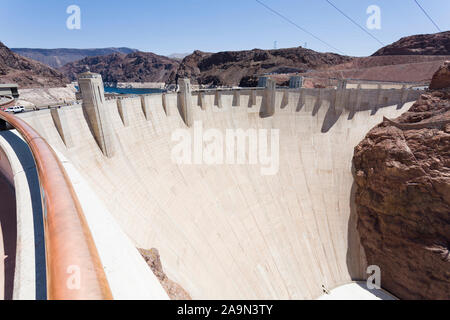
x=166 y=27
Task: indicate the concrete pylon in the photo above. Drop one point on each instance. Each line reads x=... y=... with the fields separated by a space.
x=164 y=103
x=338 y=97
x=285 y=100
x=62 y=126
x=218 y=99
x=296 y=82
x=145 y=107
x=358 y=97
x=252 y=97
x=123 y=112
x=269 y=98
x=342 y=84
x=94 y=109
x=262 y=82
x=403 y=96
x=201 y=100
x=379 y=97
x=236 y=98
x=185 y=101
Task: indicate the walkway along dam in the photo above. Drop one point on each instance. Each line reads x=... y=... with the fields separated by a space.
x=223 y=231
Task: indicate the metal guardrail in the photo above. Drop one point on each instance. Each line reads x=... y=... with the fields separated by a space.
x=74 y=269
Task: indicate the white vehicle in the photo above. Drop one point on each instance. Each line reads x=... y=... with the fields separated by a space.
x=15 y=109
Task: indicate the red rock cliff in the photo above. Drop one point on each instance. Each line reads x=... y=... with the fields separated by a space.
x=402 y=173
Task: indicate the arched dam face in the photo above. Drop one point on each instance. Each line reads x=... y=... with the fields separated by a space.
x=229 y=231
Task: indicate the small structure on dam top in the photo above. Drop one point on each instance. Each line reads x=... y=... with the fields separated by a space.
x=296 y=82
x=9 y=90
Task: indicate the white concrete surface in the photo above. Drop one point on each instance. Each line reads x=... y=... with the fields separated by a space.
x=226 y=231
x=127 y=273
x=357 y=291
x=26 y=277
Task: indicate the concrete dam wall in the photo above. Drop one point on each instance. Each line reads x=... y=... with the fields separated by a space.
x=226 y=231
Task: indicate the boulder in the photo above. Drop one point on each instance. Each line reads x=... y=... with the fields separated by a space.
x=174 y=290
x=402 y=178
x=441 y=79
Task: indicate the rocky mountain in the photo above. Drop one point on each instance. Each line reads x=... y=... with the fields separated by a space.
x=402 y=176
x=118 y=67
x=56 y=58
x=26 y=72
x=411 y=59
x=409 y=68
x=422 y=44
x=189 y=68
x=242 y=67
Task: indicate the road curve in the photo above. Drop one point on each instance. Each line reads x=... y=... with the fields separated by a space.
x=7 y=238
x=74 y=270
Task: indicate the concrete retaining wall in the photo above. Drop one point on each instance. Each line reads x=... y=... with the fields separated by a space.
x=18 y=165
x=264 y=101
x=225 y=231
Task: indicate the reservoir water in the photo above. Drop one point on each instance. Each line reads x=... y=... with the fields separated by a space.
x=132 y=90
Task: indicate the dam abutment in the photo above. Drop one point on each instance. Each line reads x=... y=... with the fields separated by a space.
x=94 y=109
x=267 y=100
x=61 y=123
x=185 y=101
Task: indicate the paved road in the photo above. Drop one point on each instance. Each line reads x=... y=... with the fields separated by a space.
x=7 y=238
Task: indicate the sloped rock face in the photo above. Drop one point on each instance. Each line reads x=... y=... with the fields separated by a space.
x=56 y=58
x=401 y=68
x=441 y=78
x=189 y=66
x=26 y=72
x=174 y=290
x=402 y=173
x=421 y=44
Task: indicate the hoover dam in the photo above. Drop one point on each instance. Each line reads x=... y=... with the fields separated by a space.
x=223 y=230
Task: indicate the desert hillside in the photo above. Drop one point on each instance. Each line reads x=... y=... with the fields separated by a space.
x=27 y=73
x=385 y=68
x=410 y=59
x=56 y=58
x=118 y=67
x=421 y=44
x=239 y=67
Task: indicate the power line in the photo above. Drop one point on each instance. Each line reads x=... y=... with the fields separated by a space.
x=296 y=25
x=355 y=23
x=428 y=16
